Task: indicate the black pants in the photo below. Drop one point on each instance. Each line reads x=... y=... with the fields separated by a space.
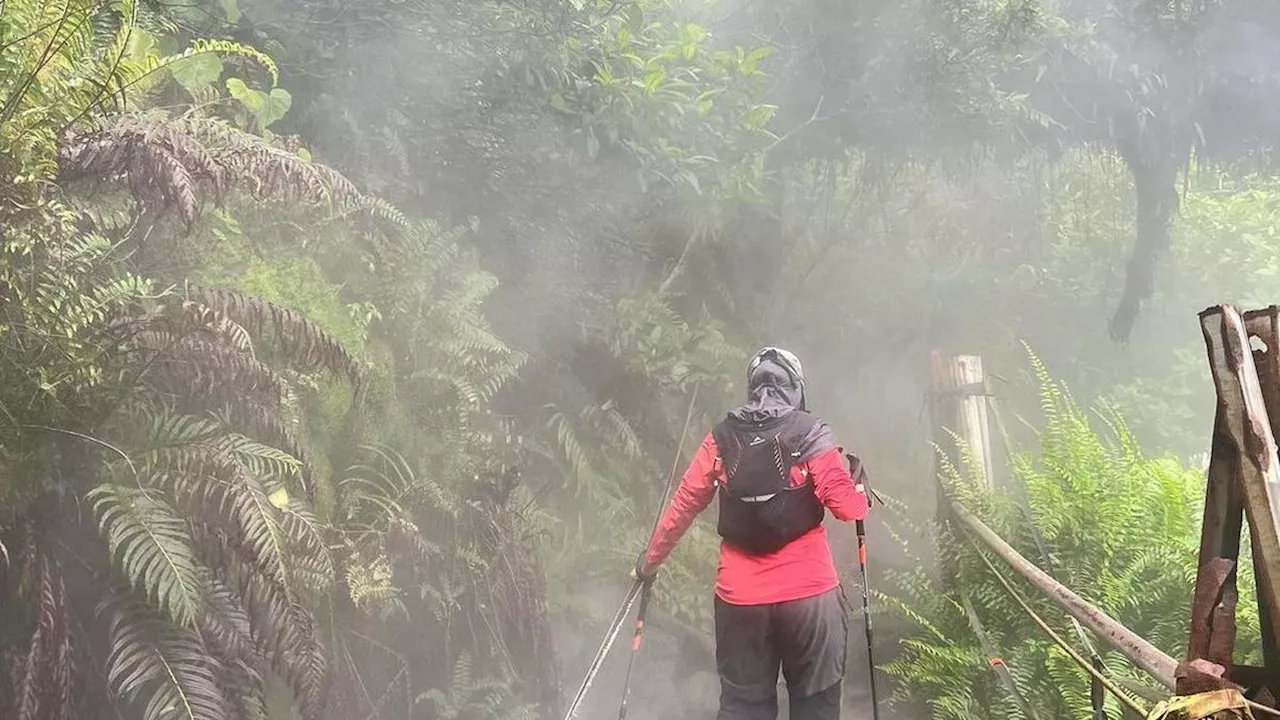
x=805 y=638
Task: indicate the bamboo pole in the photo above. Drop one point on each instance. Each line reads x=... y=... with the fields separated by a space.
x=1142 y=653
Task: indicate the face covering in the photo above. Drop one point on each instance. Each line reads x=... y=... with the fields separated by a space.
x=770 y=394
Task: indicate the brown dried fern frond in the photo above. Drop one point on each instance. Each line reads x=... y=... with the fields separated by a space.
x=167 y=163
x=304 y=345
x=163 y=166
x=44 y=684
x=164 y=668
x=284 y=629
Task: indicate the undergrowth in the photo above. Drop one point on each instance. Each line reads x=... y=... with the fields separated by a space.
x=1122 y=530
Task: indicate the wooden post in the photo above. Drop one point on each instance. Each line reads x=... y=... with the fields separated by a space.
x=1243 y=472
x=957 y=404
x=960 y=405
x=1213 y=609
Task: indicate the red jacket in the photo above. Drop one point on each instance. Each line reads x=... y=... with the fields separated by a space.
x=803 y=568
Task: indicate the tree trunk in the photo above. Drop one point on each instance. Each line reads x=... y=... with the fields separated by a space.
x=1154 y=175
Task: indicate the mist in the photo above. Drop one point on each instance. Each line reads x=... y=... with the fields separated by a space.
x=350 y=344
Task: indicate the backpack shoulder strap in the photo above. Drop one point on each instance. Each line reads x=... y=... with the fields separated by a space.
x=793 y=434
x=726 y=445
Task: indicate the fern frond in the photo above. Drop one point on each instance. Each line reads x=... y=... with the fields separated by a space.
x=305 y=345
x=245 y=502
x=44 y=685
x=167 y=163
x=150 y=658
x=227 y=627
x=153 y=549
x=222 y=48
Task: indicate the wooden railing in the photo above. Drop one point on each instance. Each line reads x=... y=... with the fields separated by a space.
x=1243 y=483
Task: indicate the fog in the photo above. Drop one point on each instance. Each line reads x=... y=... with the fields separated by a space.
x=898 y=220
x=602 y=207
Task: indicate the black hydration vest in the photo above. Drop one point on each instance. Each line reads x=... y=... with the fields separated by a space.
x=760 y=512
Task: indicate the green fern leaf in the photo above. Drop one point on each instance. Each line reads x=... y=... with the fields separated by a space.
x=153 y=548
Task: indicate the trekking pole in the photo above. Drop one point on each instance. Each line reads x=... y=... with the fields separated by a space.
x=635 y=648
x=638 y=639
x=614 y=628
x=640 y=588
x=860 y=478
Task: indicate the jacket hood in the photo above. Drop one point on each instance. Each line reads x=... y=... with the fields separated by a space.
x=772 y=392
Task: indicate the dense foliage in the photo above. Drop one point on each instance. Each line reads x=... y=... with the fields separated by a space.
x=1121 y=529
x=343 y=341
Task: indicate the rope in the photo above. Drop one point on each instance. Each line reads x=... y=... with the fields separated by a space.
x=675 y=462
x=996 y=662
x=1088 y=667
x=1096 y=667
x=1060 y=642
x=1095 y=691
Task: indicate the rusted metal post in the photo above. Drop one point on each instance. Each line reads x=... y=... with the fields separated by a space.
x=1265 y=326
x=1244 y=426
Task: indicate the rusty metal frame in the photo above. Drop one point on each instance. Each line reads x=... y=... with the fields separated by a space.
x=1265 y=325
x=1243 y=483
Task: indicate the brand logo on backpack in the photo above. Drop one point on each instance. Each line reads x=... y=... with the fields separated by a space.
x=760 y=511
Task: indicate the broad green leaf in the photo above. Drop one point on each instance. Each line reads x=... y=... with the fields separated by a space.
x=635 y=17
x=653 y=80
x=760 y=115
x=141 y=45
x=274 y=107
x=196 y=71
x=250 y=98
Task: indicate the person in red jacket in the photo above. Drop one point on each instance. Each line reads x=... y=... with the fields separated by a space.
x=778 y=600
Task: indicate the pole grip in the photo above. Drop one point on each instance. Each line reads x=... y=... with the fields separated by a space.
x=859 y=476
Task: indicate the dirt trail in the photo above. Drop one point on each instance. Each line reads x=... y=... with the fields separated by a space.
x=675 y=679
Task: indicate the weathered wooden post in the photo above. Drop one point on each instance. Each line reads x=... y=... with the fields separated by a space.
x=958 y=410
x=959 y=405
x=1265 y=325
x=1243 y=483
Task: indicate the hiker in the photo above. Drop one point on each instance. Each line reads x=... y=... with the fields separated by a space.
x=778 y=600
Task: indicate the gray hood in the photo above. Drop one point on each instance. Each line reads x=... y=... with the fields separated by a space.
x=770 y=394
